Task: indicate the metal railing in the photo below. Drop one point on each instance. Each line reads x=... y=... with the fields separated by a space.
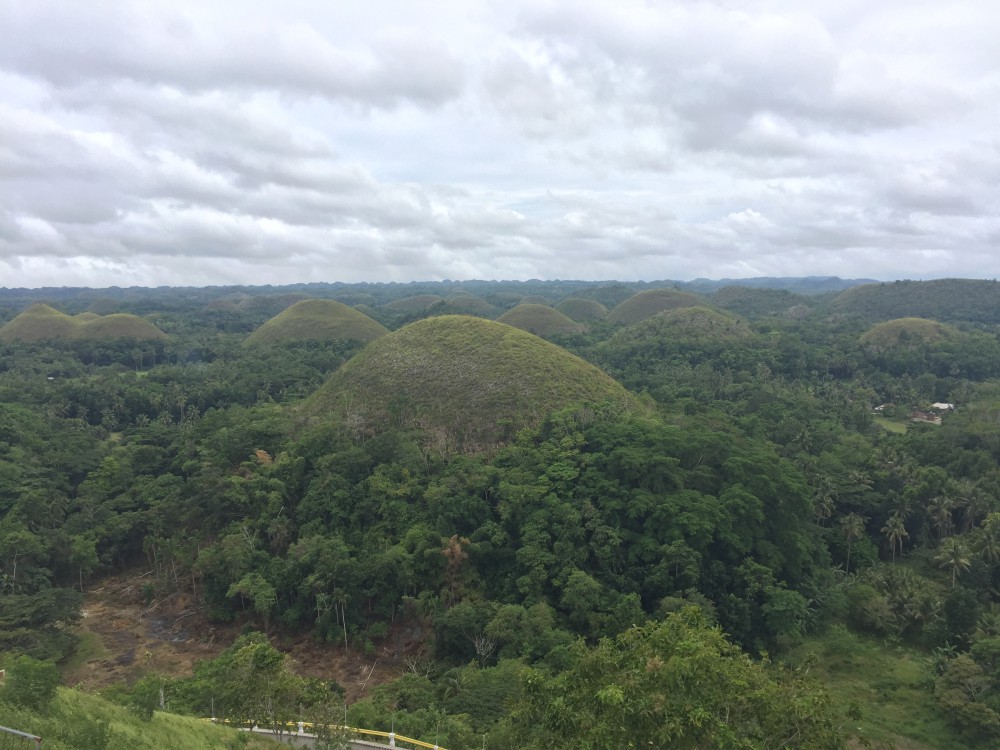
x=298 y=729
x=22 y=735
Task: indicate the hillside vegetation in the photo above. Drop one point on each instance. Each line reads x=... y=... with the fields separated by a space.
x=973 y=300
x=540 y=320
x=466 y=381
x=41 y=322
x=317 y=320
x=646 y=304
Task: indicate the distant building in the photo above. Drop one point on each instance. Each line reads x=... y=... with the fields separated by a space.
x=940 y=406
x=922 y=416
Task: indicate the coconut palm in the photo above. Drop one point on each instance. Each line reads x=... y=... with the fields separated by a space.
x=853 y=526
x=895 y=532
x=940 y=509
x=954 y=555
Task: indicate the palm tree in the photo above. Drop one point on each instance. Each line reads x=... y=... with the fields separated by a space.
x=895 y=532
x=940 y=509
x=975 y=505
x=954 y=555
x=853 y=526
x=824 y=500
x=987 y=544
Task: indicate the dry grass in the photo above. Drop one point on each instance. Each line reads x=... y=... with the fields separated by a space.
x=317 y=320
x=540 y=320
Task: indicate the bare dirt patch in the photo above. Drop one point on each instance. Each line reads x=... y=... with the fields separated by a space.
x=125 y=636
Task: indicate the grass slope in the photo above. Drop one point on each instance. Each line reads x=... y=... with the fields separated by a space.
x=464 y=305
x=74 y=719
x=889 y=684
x=646 y=304
x=540 y=320
x=582 y=310
x=42 y=323
x=907 y=331
x=317 y=320
x=468 y=383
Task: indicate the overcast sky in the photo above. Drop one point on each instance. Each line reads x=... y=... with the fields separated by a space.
x=159 y=143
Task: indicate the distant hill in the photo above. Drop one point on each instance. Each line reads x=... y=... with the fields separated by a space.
x=673 y=331
x=610 y=296
x=970 y=300
x=540 y=320
x=41 y=322
x=416 y=304
x=464 y=305
x=646 y=304
x=796 y=284
x=467 y=383
x=907 y=332
x=751 y=302
x=317 y=320
x=582 y=310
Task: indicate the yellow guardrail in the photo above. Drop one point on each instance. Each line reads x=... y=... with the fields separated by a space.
x=294 y=727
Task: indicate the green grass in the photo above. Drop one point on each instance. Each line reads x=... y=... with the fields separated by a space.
x=891 y=685
x=89 y=647
x=466 y=382
x=892 y=425
x=540 y=320
x=646 y=304
x=317 y=320
x=74 y=718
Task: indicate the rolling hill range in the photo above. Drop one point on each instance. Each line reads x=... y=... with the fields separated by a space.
x=317 y=320
x=41 y=322
x=469 y=384
x=973 y=300
x=540 y=320
x=646 y=304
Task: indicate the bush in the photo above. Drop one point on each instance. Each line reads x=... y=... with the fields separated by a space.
x=31 y=683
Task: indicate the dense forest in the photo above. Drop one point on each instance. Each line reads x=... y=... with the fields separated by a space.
x=623 y=513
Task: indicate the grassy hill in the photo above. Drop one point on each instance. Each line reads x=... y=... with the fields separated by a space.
x=464 y=305
x=317 y=320
x=42 y=323
x=540 y=320
x=943 y=299
x=755 y=303
x=609 y=296
x=467 y=383
x=415 y=304
x=907 y=331
x=646 y=304
x=582 y=310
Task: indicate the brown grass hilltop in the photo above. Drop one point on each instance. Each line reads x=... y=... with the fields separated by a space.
x=43 y=323
x=907 y=331
x=540 y=320
x=646 y=304
x=468 y=383
x=317 y=320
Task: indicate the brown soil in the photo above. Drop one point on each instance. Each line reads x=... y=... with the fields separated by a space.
x=171 y=634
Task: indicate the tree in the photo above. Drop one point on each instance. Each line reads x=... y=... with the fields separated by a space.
x=31 y=683
x=953 y=555
x=853 y=527
x=678 y=684
x=895 y=532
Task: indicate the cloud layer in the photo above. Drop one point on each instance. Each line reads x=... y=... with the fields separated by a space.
x=257 y=142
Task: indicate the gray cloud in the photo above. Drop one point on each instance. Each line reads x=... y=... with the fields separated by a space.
x=152 y=143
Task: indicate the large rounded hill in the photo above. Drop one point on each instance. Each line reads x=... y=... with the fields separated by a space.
x=317 y=320
x=467 y=383
x=908 y=332
x=582 y=310
x=647 y=304
x=540 y=320
x=41 y=322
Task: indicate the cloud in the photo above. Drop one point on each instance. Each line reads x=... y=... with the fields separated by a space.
x=147 y=142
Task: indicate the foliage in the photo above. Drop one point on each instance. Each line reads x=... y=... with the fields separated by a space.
x=675 y=684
